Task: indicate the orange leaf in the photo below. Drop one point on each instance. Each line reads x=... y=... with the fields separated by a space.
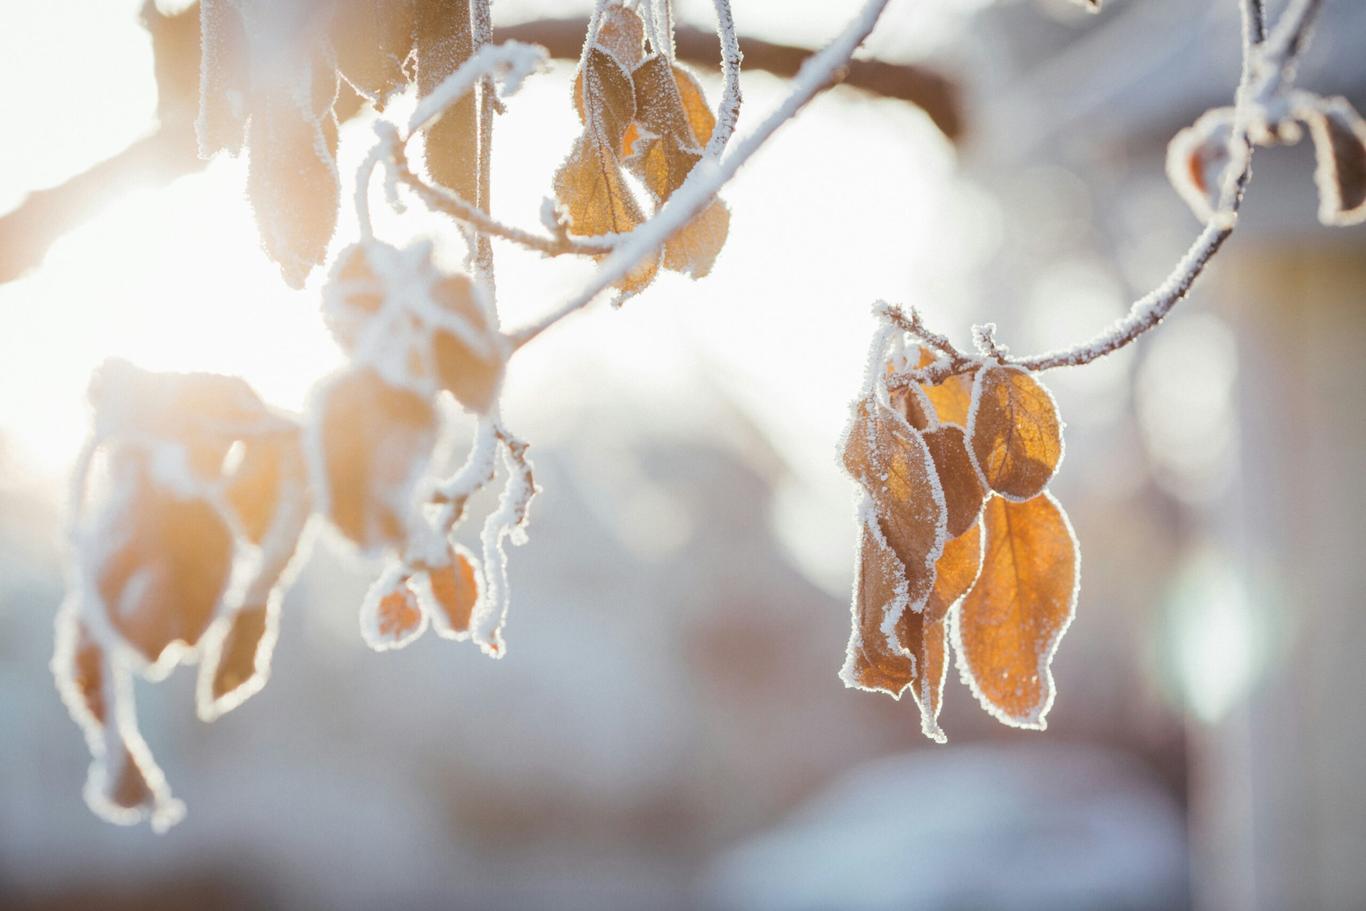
x=373 y=439
x=1009 y=625
x=449 y=593
x=241 y=660
x=1339 y=134
x=168 y=566
x=963 y=493
x=1015 y=432
x=472 y=373
x=890 y=460
x=391 y=616
x=925 y=638
x=950 y=399
x=956 y=571
x=880 y=597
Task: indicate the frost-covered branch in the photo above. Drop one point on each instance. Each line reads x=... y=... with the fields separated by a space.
x=1268 y=68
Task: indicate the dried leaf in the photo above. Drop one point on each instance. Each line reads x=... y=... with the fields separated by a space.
x=1198 y=159
x=1009 y=625
x=391 y=616
x=925 y=639
x=963 y=491
x=372 y=442
x=880 y=599
x=444 y=40
x=672 y=127
x=165 y=569
x=1339 y=135
x=260 y=481
x=292 y=176
x=590 y=184
x=951 y=399
x=955 y=572
x=222 y=78
x=472 y=372
x=621 y=32
x=242 y=660
x=450 y=593
x=354 y=293
x=372 y=40
x=1014 y=432
x=890 y=460
x=78 y=664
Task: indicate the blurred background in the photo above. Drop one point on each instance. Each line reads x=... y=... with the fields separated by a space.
x=667 y=730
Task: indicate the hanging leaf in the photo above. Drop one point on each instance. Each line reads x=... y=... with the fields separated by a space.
x=590 y=184
x=223 y=78
x=444 y=40
x=1198 y=159
x=449 y=593
x=372 y=40
x=78 y=664
x=354 y=292
x=165 y=567
x=951 y=400
x=925 y=640
x=963 y=492
x=880 y=599
x=671 y=130
x=371 y=443
x=1339 y=135
x=469 y=353
x=1014 y=431
x=955 y=572
x=260 y=481
x=391 y=616
x=239 y=664
x=1010 y=623
x=292 y=176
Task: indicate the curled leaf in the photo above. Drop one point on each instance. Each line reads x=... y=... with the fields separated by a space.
x=450 y=593
x=371 y=442
x=164 y=570
x=1339 y=135
x=891 y=462
x=1014 y=432
x=468 y=351
x=955 y=572
x=1009 y=625
x=1198 y=159
x=391 y=616
x=444 y=40
x=963 y=492
x=880 y=599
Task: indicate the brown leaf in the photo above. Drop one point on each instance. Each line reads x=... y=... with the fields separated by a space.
x=450 y=593
x=270 y=467
x=79 y=667
x=472 y=373
x=925 y=638
x=392 y=618
x=443 y=41
x=890 y=460
x=963 y=492
x=1198 y=159
x=955 y=572
x=1339 y=135
x=1009 y=625
x=951 y=399
x=243 y=658
x=292 y=179
x=165 y=570
x=1014 y=431
x=373 y=439
x=672 y=127
x=880 y=597
x=372 y=40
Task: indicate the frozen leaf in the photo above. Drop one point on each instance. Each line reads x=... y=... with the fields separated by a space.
x=372 y=40
x=590 y=183
x=1009 y=625
x=391 y=616
x=260 y=481
x=444 y=40
x=292 y=175
x=621 y=32
x=164 y=568
x=354 y=292
x=880 y=599
x=952 y=399
x=1339 y=135
x=963 y=493
x=78 y=665
x=449 y=593
x=239 y=663
x=925 y=640
x=126 y=787
x=672 y=127
x=371 y=443
x=469 y=361
x=223 y=83
x=955 y=572
x=892 y=463
x=1198 y=159
x=1014 y=432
